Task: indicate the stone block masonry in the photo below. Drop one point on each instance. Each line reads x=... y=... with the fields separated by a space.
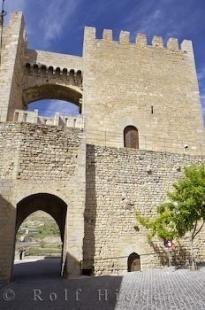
x=40 y=159
x=152 y=87
x=60 y=164
x=119 y=182
x=136 y=84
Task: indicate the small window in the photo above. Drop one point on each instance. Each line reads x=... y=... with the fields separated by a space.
x=131 y=137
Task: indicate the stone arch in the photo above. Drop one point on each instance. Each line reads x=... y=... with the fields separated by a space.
x=51 y=204
x=131 y=137
x=133 y=262
x=52 y=91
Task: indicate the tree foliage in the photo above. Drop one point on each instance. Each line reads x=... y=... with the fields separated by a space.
x=184 y=211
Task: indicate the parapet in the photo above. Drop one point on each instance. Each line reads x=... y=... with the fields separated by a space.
x=141 y=40
x=173 y=44
x=54 y=59
x=107 y=34
x=16 y=16
x=187 y=46
x=21 y=116
x=43 y=69
x=74 y=76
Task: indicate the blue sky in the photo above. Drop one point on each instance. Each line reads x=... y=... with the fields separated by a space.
x=58 y=25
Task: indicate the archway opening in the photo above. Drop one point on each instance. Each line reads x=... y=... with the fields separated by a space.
x=52 y=98
x=50 y=107
x=133 y=262
x=40 y=232
x=131 y=137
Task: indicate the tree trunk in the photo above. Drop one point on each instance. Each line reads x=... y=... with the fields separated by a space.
x=192 y=261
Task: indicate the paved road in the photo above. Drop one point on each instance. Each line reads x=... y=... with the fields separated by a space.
x=36 y=285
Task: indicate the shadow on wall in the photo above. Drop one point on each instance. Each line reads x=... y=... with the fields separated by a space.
x=180 y=256
x=7 y=238
x=32 y=56
x=90 y=213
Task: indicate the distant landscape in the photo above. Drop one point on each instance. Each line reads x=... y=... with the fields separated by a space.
x=39 y=235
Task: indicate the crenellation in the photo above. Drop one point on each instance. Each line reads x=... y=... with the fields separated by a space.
x=64 y=121
x=141 y=40
x=41 y=69
x=157 y=42
x=173 y=44
x=124 y=37
x=107 y=35
x=187 y=46
x=89 y=33
x=53 y=59
x=139 y=124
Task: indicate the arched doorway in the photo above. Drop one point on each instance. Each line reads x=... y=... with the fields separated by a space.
x=38 y=247
x=131 y=137
x=50 y=204
x=133 y=262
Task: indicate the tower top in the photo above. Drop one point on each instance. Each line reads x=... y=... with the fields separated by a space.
x=2 y=14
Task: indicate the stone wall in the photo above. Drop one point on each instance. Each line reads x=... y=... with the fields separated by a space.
x=11 y=67
x=119 y=182
x=54 y=59
x=20 y=86
x=150 y=86
x=46 y=82
x=115 y=83
x=100 y=221
x=41 y=159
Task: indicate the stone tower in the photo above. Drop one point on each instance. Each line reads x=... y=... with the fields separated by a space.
x=134 y=84
x=139 y=124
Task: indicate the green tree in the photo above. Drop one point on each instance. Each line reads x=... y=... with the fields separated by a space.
x=183 y=212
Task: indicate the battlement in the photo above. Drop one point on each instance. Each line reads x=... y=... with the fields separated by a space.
x=21 y=116
x=141 y=40
x=54 y=59
x=74 y=76
x=149 y=84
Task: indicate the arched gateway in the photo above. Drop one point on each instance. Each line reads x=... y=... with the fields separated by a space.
x=50 y=204
x=49 y=175
x=79 y=159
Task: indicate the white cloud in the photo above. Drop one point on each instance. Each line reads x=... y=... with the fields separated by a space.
x=57 y=15
x=154 y=18
x=50 y=107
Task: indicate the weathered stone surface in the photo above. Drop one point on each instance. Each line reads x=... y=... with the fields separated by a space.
x=115 y=84
x=120 y=182
x=41 y=159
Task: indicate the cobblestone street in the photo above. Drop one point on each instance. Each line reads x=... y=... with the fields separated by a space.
x=36 y=286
